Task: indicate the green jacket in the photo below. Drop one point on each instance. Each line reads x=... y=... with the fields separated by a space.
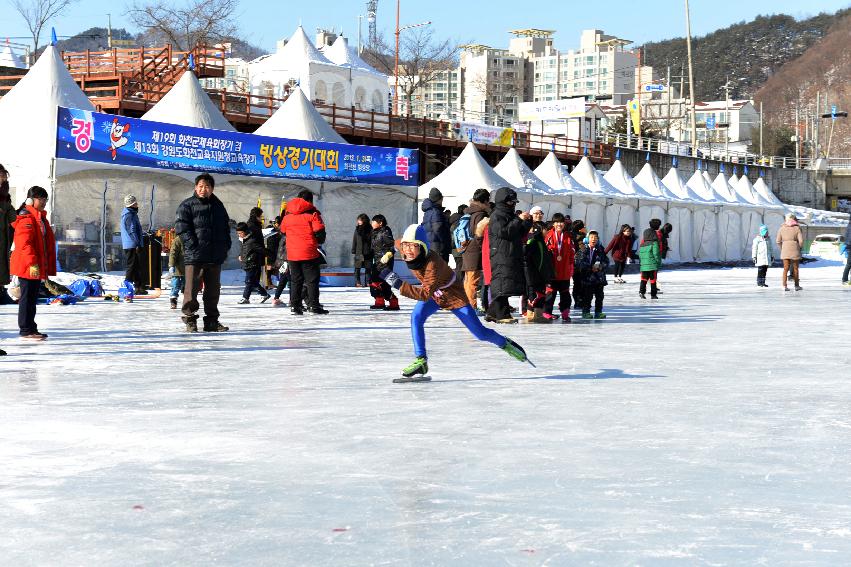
x=650 y=257
x=176 y=257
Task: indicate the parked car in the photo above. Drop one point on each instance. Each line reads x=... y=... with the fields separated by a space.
x=827 y=245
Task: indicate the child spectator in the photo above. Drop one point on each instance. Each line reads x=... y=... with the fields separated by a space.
x=175 y=268
x=651 y=259
x=621 y=249
x=362 y=248
x=538 y=265
x=382 y=253
x=592 y=263
x=762 y=255
x=561 y=248
x=251 y=255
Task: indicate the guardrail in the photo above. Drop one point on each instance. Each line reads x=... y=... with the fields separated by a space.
x=717 y=154
x=131 y=61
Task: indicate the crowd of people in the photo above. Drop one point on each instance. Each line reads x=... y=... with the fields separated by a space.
x=498 y=252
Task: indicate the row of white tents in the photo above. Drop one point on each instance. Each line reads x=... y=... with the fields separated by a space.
x=89 y=195
x=713 y=219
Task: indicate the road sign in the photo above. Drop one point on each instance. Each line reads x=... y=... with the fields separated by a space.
x=654 y=88
x=710 y=122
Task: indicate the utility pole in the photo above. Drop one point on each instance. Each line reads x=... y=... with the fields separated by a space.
x=797 y=137
x=818 y=124
x=691 y=84
x=668 y=121
x=109 y=31
x=760 y=129
x=727 y=117
x=396 y=67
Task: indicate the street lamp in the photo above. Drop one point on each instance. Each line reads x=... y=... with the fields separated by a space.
x=396 y=66
x=833 y=115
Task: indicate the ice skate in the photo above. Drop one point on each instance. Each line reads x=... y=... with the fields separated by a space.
x=587 y=315
x=415 y=370
x=379 y=303
x=600 y=315
x=191 y=325
x=536 y=315
x=393 y=305
x=266 y=298
x=243 y=301
x=215 y=327
x=516 y=351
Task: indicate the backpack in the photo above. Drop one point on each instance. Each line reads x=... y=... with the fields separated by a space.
x=461 y=232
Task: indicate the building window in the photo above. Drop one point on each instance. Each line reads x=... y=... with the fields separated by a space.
x=589 y=59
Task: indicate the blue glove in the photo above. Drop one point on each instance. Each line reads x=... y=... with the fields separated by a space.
x=391 y=278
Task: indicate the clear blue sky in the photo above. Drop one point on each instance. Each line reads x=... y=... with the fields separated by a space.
x=480 y=21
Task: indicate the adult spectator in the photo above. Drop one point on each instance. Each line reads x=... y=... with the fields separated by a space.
x=33 y=259
x=304 y=231
x=471 y=264
x=436 y=224
x=537 y=214
x=847 y=255
x=7 y=217
x=133 y=244
x=790 y=239
x=204 y=227
x=506 y=233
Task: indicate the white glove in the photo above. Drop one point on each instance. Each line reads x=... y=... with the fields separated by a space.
x=283 y=269
x=171 y=270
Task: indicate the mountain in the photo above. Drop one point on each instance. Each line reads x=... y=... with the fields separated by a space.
x=822 y=73
x=749 y=53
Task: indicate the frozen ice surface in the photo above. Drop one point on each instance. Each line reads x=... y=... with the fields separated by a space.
x=712 y=427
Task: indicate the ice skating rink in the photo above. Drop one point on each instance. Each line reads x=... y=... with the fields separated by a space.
x=711 y=427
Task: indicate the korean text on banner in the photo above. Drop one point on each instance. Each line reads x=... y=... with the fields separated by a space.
x=551 y=109
x=105 y=138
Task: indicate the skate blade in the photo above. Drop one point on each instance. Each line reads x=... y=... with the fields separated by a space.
x=409 y=379
x=531 y=363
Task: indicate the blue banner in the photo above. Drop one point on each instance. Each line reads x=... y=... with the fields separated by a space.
x=106 y=138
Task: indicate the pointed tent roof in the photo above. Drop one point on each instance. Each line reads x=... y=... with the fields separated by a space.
x=8 y=57
x=697 y=183
x=297 y=52
x=624 y=183
x=588 y=176
x=553 y=174
x=678 y=187
x=297 y=119
x=45 y=86
x=187 y=104
x=341 y=54
x=652 y=185
x=724 y=189
x=707 y=177
x=468 y=171
x=763 y=190
x=745 y=190
x=514 y=170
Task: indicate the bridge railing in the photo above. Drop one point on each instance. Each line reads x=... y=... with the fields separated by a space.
x=657 y=145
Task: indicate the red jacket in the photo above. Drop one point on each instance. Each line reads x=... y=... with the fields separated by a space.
x=563 y=268
x=620 y=247
x=35 y=245
x=304 y=230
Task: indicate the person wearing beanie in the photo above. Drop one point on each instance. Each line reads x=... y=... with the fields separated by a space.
x=505 y=236
x=651 y=259
x=762 y=255
x=438 y=289
x=563 y=252
x=479 y=211
x=436 y=224
x=132 y=243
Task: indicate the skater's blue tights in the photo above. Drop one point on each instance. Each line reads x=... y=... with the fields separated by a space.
x=425 y=309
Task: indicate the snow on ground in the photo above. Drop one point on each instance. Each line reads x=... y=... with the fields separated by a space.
x=710 y=427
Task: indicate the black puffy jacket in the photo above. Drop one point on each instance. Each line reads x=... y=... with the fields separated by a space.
x=204 y=227
x=252 y=252
x=506 y=234
x=437 y=228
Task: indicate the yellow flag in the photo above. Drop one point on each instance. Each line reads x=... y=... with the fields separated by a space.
x=283 y=206
x=635 y=115
x=260 y=206
x=506 y=137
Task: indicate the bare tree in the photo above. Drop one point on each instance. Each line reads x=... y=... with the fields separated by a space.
x=422 y=58
x=36 y=13
x=186 y=24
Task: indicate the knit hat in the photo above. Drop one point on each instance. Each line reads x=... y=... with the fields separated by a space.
x=435 y=195
x=416 y=233
x=130 y=200
x=763 y=230
x=535 y=209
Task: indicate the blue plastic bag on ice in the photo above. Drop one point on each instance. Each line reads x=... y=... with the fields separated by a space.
x=126 y=290
x=96 y=288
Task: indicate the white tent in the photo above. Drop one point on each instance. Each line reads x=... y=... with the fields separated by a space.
x=774 y=215
x=703 y=188
x=514 y=170
x=368 y=86
x=762 y=189
x=187 y=104
x=648 y=205
x=8 y=57
x=685 y=240
x=729 y=218
x=752 y=216
x=652 y=185
x=724 y=190
x=745 y=191
x=467 y=173
x=602 y=209
x=297 y=119
x=564 y=188
x=28 y=115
